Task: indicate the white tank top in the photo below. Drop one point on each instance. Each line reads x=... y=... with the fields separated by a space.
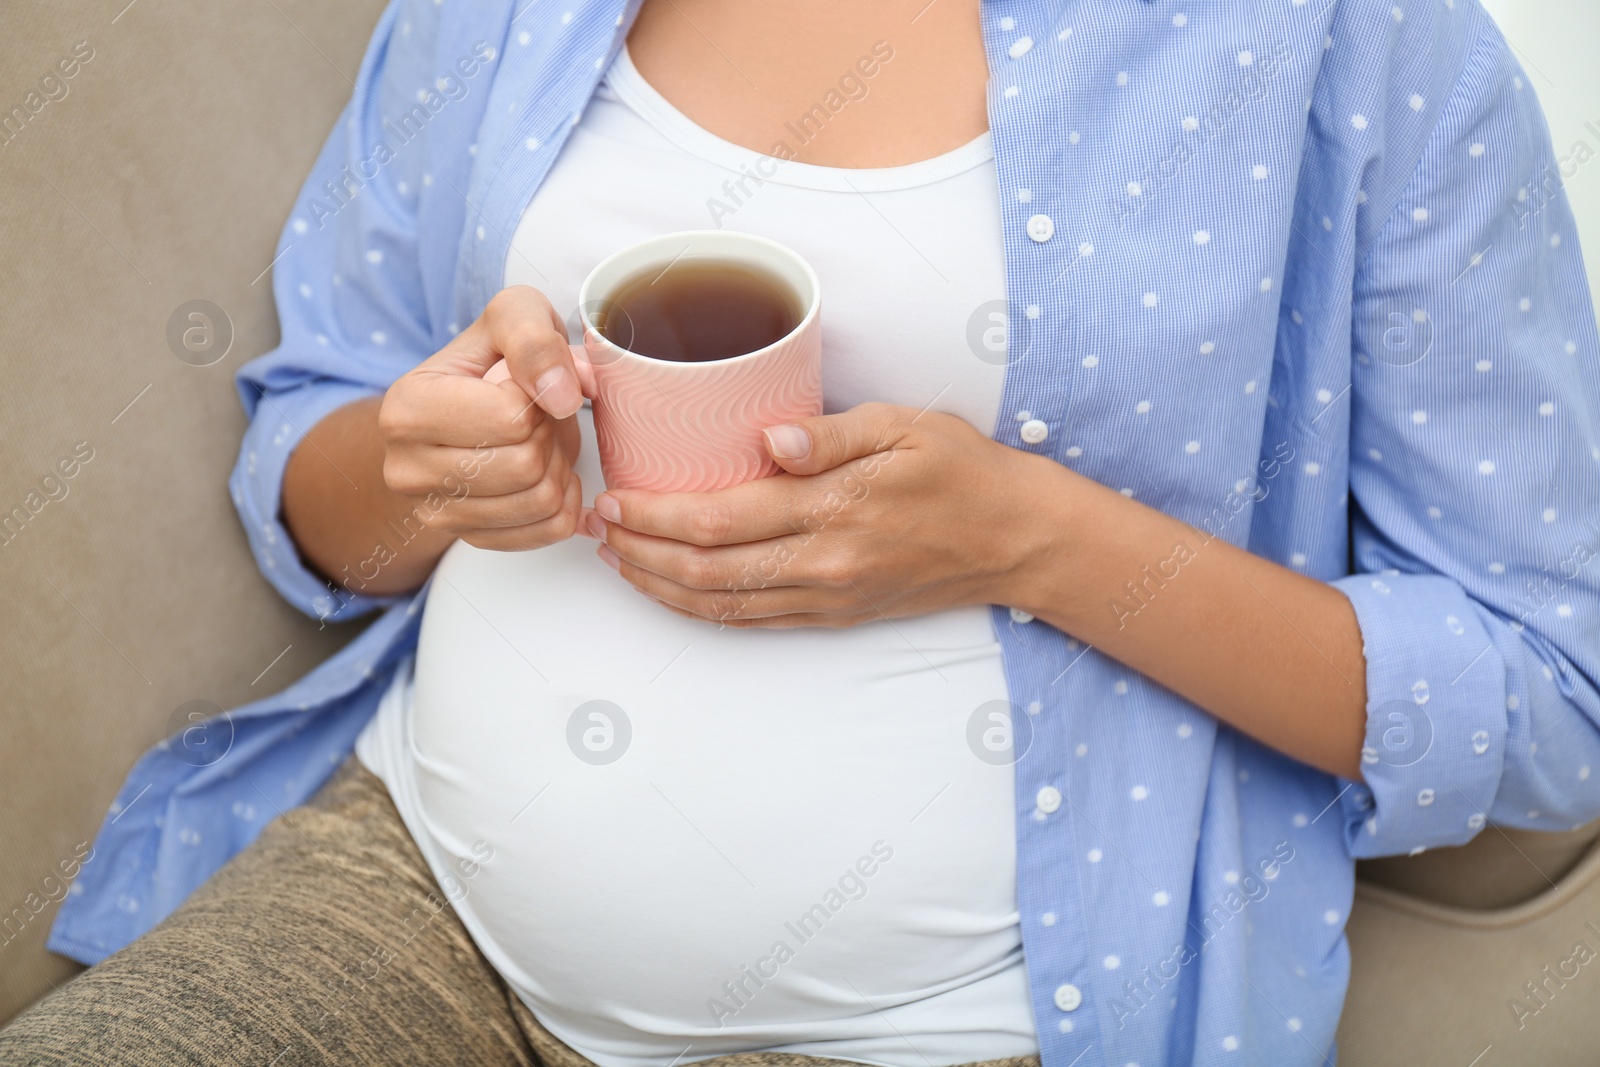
x=798 y=847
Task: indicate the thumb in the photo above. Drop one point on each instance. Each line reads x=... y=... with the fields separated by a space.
x=810 y=446
x=519 y=337
x=501 y=371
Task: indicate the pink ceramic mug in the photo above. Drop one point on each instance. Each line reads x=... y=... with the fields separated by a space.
x=681 y=427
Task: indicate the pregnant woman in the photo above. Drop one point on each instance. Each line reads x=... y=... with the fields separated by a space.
x=1204 y=500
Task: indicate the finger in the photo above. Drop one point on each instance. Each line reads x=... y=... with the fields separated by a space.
x=569 y=436
x=719 y=605
x=534 y=504
x=757 y=565
x=809 y=446
x=524 y=330
x=589 y=525
x=500 y=372
x=490 y=470
x=429 y=407
x=769 y=622
x=753 y=511
x=519 y=326
x=558 y=527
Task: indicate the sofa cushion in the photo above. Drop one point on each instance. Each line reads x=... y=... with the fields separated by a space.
x=1498 y=868
x=1434 y=985
x=159 y=173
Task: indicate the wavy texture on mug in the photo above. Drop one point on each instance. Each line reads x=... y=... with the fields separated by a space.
x=681 y=427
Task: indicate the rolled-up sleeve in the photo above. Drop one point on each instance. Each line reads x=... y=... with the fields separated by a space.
x=352 y=305
x=1475 y=487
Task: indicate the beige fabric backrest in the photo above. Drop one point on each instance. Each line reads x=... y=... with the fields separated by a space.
x=162 y=176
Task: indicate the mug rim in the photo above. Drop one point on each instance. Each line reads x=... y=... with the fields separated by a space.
x=813 y=307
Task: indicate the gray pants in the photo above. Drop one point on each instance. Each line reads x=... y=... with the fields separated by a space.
x=327 y=941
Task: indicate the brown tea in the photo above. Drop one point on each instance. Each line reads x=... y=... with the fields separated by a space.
x=695 y=311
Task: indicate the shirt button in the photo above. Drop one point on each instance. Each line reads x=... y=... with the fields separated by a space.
x=1034 y=431
x=1068 y=997
x=1049 y=800
x=1018 y=615
x=1041 y=228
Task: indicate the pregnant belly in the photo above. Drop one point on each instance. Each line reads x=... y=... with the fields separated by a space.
x=729 y=839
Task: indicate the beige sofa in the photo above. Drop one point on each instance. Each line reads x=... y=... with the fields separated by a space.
x=161 y=177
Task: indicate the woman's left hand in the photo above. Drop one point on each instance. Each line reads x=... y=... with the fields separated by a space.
x=883 y=511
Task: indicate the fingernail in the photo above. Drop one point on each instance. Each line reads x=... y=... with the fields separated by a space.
x=788 y=441
x=557 y=392
x=609 y=557
x=608 y=508
x=596 y=528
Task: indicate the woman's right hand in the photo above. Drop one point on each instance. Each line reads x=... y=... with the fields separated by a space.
x=491 y=462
